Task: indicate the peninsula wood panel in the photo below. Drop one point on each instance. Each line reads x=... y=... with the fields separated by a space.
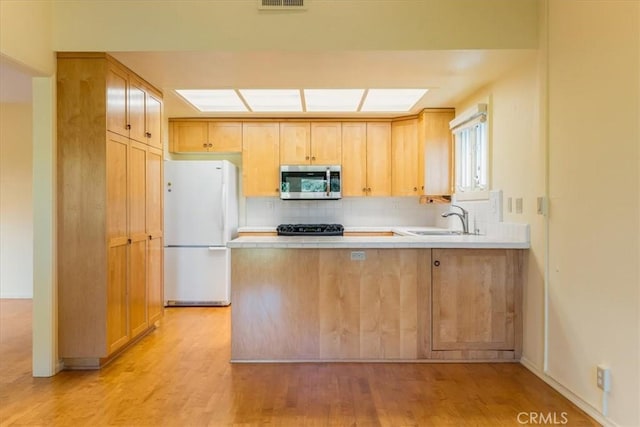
x=319 y=304
x=275 y=304
x=474 y=299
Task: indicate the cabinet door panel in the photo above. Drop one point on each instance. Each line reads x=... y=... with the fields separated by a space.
x=117 y=321
x=117 y=98
x=136 y=111
x=438 y=153
x=260 y=159
x=404 y=157
x=155 y=282
x=138 y=287
x=225 y=137
x=379 y=159
x=473 y=299
x=153 y=120
x=137 y=191
x=117 y=187
x=354 y=159
x=326 y=143
x=295 y=143
x=189 y=137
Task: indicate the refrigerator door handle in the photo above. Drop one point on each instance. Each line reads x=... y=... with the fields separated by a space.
x=223 y=207
x=217 y=248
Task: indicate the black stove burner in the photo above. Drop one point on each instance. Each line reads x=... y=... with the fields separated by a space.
x=310 y=230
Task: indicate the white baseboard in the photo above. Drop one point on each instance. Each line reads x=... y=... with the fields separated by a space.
x=571 y=396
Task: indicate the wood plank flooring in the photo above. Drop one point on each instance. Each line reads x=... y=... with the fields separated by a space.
x=179 y=375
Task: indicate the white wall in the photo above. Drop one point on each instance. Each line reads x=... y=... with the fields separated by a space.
x=25 y=34
x=349 y=211
x=594 y=109
x=16 y=212
x=518 y=169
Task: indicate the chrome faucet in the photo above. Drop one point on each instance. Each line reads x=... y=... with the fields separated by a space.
x=464 y=217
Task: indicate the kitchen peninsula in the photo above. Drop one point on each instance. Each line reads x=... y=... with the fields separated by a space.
x=400 y=297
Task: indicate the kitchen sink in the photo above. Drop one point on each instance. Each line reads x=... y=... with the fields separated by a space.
x=434 y=232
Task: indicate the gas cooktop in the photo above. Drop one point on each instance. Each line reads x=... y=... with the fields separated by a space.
x=310 y=230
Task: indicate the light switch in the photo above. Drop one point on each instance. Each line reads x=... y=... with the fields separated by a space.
x=510 y=205
x=519 y=205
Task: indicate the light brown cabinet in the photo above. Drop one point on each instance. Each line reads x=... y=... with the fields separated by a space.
x=186 y=136
x=366 y=159
x=435 y=152
x=405 y=163
x=476 y=300
x=315 y=143
x=109 y=267
x=260 y=159
x=134 y=108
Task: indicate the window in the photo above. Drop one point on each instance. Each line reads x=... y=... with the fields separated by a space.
x=470 y=133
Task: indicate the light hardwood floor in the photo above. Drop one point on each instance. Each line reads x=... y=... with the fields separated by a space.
x=180 y=375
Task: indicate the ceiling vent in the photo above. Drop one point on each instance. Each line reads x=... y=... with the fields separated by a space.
x=282 y=4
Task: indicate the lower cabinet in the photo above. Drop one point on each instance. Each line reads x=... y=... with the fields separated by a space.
x=475 y=303
x=375 y=304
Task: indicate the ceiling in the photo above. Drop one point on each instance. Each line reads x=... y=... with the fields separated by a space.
x=450 y=75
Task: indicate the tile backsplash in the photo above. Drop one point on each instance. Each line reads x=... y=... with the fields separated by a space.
x=349 y=211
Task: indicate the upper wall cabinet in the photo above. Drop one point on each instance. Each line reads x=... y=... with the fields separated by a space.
x=316 y=143
x=436 y=152
x=134 y=109
x=260 y=159
x=189 y=136
x=366 y=159
x=405 y=175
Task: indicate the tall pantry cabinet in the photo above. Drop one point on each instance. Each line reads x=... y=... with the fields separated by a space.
x=109 y=208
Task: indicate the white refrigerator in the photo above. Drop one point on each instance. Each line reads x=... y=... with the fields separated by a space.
x=200 y=217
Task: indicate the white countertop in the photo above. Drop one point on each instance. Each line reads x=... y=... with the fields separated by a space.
x=401 y=240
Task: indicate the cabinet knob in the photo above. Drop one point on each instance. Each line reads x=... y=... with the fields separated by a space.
x=313 y=158
x=128 y=126
x=415 y=188
x=369 y=189
x=148 y=134
x=204 y=145
x=306 y=158
x=150 y=237
x=436 y=263
x=128 y=241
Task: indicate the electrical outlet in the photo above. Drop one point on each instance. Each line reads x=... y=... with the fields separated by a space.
x=358 y=256
x=509 y=205
x=603 y=378
x=519 y=205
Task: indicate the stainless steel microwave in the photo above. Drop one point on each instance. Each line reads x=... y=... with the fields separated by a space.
x=309 y=182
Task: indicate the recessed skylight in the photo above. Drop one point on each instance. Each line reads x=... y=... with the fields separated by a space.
x=346 y=100
x=400 y=100
x=281 y=100
x=210 y=100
